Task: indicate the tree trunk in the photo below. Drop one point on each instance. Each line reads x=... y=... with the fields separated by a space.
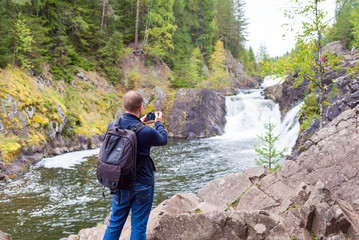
x=321 y=67
x=136 y=30
x=103 y=13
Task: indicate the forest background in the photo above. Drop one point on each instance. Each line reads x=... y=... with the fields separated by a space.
x=94 y=34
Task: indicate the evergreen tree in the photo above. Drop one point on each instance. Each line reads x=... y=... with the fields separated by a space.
x=7 y=38
x=354 y=20
x=342 y=29
x=162 y=28
x=270 y=156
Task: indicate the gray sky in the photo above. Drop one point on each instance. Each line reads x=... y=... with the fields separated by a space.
x=265 y=18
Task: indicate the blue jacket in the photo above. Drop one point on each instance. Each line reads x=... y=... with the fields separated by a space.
x=146 y=138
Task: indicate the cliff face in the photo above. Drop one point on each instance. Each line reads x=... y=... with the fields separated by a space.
x=196 y=113
x=314 y=196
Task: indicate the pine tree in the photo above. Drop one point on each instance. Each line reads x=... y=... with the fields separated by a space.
x=23 y=43
x=162 y=28
x=7 y=38
x=270 y=156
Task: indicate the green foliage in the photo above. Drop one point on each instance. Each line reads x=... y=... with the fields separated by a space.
x=249 y=61
x=342 y=29
x=7 y=38
x=66 y=35
x=23 y=42
x=109 y=55
x=270 y=156
x=162 y=28
x=309 y=111
x=306 y=62
x=191 y=73
x=354 y=20
x=219 y=76
x=231 y=25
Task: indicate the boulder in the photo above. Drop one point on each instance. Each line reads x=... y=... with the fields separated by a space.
x=213 y=225
x=5 y=236
x=196 y=113
x=95 y=233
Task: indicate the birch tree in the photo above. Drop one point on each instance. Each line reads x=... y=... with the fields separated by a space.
x=311 y=60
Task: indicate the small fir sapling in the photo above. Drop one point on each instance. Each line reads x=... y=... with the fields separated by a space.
x=269 y=155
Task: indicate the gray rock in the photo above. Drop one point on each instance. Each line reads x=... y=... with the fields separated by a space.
x=95 y=233
x=255 y=199
x=160 y=98
x=255 y=174
x=196 y=113
x=82 y=76
x=5 y=236
x=224 y=191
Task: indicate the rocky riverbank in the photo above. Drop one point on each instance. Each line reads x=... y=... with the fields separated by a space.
x=316 y=196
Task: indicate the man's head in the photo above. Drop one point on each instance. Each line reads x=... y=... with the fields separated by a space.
x=132 y=103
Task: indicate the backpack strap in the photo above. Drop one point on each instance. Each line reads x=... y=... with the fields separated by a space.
x=117 y=123
x=137 y=128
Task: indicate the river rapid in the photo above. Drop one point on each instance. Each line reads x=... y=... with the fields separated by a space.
x=60 y=195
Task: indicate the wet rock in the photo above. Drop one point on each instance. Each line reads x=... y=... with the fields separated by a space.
x=287 y=94
x=196 y=113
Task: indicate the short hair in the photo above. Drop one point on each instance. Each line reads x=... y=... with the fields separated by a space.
x=132 y=101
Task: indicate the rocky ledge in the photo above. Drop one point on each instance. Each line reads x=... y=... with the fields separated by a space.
x=32 y=154
x=314 y=197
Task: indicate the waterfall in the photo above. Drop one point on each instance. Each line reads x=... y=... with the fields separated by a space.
x=248 y=111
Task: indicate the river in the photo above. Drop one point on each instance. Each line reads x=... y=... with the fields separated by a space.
x=60 y=195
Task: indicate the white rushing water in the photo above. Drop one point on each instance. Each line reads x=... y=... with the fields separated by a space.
x=68 y=160
x=249 y=111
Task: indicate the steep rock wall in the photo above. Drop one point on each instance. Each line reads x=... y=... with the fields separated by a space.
x=196 y=113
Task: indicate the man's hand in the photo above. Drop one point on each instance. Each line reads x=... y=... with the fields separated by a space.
x=144 y=119
x=158 y=116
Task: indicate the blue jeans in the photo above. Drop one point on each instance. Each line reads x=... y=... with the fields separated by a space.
x=139 y=199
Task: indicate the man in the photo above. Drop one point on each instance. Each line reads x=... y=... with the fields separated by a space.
x=139 y=197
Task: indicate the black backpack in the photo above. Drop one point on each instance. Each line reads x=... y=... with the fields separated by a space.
x=116 y=166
